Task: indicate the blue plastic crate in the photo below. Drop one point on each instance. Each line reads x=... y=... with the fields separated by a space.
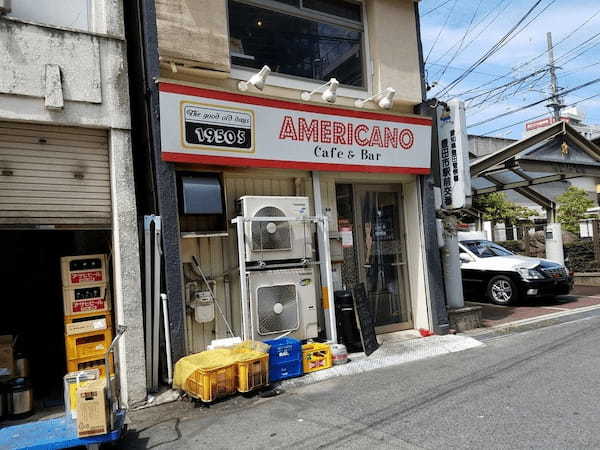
x=285 y=358
x=284 y=349
x=285 y=370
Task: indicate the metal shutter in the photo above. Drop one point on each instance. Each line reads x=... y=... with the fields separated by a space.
x=52 y=175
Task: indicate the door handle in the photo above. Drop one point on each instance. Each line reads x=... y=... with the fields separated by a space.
x=367 y=266
x=398 y=264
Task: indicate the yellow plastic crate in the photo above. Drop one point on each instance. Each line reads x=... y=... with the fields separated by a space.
x=316 y=356
x=211 y=384
x=253 y=374
x=77 y=365
x=88 y=345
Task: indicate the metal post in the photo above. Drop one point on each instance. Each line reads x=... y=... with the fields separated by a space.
x=243 y=286
x=325 y=266
x=148 y=221
x=156 y=303
x=165 y=309
x=451 y=265
x=330 y=322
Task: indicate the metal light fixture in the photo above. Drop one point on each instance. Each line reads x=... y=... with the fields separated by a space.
x=257 y=80
x=329 y=95
x=386 y=99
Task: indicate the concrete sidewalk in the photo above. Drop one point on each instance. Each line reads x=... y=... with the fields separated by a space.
x=391 y=353
x=396 y=350
x=582 y=297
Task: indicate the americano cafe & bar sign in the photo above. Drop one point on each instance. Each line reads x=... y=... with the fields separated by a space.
x=215 y=127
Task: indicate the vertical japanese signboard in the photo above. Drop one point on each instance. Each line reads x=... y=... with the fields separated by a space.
x=455 y=177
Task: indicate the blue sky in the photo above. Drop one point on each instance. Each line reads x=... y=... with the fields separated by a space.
x=456 y=33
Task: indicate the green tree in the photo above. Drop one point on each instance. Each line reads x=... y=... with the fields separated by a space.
x=496 y=208
x=572 y=206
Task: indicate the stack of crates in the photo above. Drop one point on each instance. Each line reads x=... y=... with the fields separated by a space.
x=88 y=321
x=285 y=358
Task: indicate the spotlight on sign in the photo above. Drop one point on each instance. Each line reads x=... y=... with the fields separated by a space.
x=385 y=99
x=257 y=80
x=329 y=95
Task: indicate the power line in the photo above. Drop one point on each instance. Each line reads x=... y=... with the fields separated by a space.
x=492 y=50
x=462 y=40
x=441 y=31
x=485 y=27
x=581 y=86
x=435 y=8
x=533 y=118
x=526 y=63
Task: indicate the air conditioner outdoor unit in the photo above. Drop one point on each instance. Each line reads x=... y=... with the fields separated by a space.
x=5 y=6
x=283 y=301
x=276 y=240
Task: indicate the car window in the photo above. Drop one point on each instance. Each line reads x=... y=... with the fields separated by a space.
x=486 y=249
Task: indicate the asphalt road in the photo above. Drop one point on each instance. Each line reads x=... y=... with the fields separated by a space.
x=535 y=389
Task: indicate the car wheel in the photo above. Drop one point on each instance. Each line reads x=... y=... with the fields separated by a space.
x=502 y=290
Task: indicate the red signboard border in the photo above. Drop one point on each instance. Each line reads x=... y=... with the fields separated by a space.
x=170 y=156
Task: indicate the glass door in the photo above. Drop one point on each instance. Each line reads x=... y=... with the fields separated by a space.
x=382 y=255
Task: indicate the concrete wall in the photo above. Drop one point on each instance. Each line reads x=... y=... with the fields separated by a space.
x=93 y=69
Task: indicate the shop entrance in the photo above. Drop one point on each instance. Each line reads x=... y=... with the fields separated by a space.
x=377 y=256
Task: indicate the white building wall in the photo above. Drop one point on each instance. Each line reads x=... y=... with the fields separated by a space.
x=93 y=78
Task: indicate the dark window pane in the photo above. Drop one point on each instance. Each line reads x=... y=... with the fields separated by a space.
x=294 y=46
x=338 y=8
x=295 y=3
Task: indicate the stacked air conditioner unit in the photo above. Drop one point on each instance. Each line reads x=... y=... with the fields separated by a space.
x=281 y=284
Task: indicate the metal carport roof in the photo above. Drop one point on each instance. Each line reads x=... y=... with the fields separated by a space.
x=556 y=153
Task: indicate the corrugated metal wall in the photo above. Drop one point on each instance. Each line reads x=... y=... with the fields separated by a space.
x=218 y=255
x=53 y=175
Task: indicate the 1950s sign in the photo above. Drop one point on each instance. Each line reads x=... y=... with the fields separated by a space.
x=214 y=127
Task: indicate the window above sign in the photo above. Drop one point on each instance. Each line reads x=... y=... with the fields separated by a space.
x=304 y=39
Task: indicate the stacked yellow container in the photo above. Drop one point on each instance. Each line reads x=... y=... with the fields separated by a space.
x=87 y=307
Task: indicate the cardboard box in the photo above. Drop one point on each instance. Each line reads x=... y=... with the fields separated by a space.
x=94 y=323
x=7 y=360
x=71 y=383
x=83 y=270
x=86 y=299
x=92 y=409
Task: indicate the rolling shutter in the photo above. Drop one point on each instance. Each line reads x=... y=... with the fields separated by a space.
x=53 y=175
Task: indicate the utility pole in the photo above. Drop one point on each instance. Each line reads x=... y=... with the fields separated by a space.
x=555 y=102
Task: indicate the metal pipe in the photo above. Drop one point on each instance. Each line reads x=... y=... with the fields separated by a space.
x=332 y=334
x=156 y=302
x=165 y=310
x=243 y=286
x=148 y=221
x=121 y=329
